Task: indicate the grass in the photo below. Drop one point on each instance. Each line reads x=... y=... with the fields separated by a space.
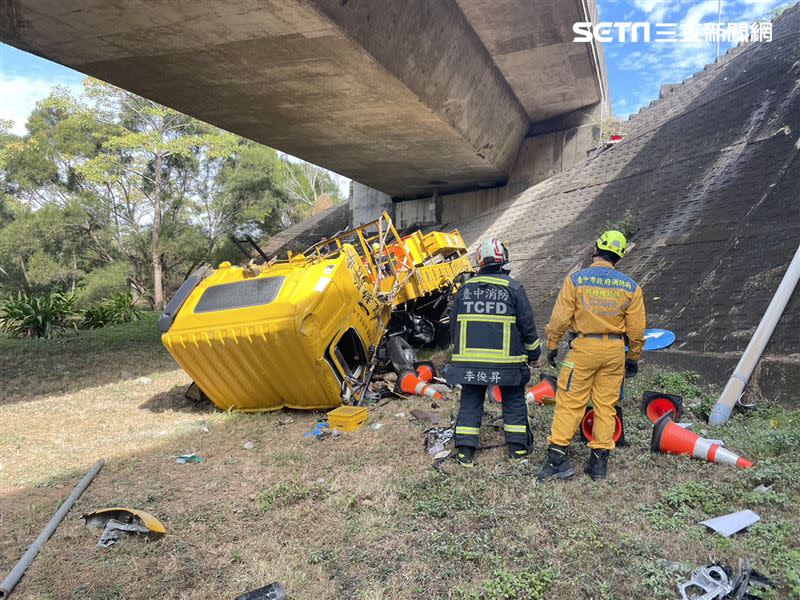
x=363 y=515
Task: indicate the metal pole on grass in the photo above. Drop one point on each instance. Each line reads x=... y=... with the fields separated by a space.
x=10 y=582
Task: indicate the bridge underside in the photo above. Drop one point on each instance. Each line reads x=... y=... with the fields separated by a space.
x=405 y=96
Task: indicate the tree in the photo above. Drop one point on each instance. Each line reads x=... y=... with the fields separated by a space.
x=147 y=164
x=304 y=183
x=109 y=189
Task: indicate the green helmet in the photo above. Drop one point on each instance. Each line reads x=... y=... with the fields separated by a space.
x=613 y=241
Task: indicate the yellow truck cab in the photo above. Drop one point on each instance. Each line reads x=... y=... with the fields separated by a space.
x=305 y=332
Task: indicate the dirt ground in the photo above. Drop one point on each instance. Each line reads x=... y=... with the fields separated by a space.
x=363 y=515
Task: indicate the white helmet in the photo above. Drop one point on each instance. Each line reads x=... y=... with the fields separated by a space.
x=491 y=252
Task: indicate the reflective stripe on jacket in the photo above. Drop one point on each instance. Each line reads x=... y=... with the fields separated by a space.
x=599 y=299
x=491 y=324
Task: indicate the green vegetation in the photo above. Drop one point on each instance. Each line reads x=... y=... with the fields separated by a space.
x=37 y=316
x=109 y=192
x=628 y=224
x=49 y=314
x=363 y=515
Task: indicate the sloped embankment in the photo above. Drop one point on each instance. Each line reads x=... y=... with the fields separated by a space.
x=710 y=176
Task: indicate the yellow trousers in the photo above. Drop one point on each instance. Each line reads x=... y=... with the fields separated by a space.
x=596 y=367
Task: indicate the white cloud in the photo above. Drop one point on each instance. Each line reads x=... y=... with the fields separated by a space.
x=19 y=95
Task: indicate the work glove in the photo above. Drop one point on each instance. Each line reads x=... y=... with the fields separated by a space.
x=533 y=356
x=551 y=357
x=631 y=368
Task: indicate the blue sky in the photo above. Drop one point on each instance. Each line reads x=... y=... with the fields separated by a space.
x=636 y=70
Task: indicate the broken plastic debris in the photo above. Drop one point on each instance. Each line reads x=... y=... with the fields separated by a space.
x=189 y=458
x=118 y=521
x=144 y=380
x=318 y=430
x=729 y=524
x=762 y=489
x=248 y=445
x=400 y=415
x=376 y=426
x=686 y=425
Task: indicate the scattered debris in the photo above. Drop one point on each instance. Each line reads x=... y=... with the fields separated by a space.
x=203 y=425
x=189 y=458
x=400 y=415
x=248 y=445
x=144 y=380
x=732 y=523
x=118 y=521
x=318 y=430
x=762 y=489
x=284 y=422
x=376 y=426
x=434 y=405
x=273 y=591
x=718 y=582
x=437 y=438
x=424 y=415
x=390 y=377
x=708 y=583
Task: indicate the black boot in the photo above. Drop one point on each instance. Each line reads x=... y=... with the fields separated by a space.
x=597 y=466
x=518 y=452
x=465 y=455
x=557 y=465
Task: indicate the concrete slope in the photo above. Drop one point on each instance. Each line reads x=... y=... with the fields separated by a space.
x=711 y=176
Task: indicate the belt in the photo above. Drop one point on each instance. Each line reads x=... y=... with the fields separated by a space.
x=602 y=336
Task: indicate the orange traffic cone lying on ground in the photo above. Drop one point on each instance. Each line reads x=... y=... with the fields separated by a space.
x=656 y=404
x=425 y=371
x=493 y=391
x=673 y=439
x=543 y=391
x=411 y=384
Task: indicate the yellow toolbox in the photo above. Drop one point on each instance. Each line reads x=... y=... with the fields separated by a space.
x=347 y=418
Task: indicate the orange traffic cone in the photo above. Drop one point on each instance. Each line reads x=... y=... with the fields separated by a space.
x=426 y=371
x=411 y=384
x=544 y=390
x=673 y=439
x=587 y=425
x=656 y=404
x=494 y=392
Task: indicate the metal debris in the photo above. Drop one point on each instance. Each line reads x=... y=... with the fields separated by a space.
x=732 y=523
x=711 y=583
x=437 y=438
x=718 y=582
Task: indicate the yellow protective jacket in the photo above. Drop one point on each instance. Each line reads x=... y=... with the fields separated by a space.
x=599 y=299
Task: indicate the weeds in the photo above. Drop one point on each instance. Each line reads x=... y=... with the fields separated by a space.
x=528 y=584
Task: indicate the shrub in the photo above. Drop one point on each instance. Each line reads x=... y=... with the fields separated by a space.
x=38 y=315
x=119 y=308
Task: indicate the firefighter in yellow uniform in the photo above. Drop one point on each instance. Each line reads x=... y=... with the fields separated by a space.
x=604 y=308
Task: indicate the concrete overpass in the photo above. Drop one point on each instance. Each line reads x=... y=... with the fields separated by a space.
x=408 y=97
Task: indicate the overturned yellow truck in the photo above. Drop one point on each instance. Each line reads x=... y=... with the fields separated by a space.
x=308 y=332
